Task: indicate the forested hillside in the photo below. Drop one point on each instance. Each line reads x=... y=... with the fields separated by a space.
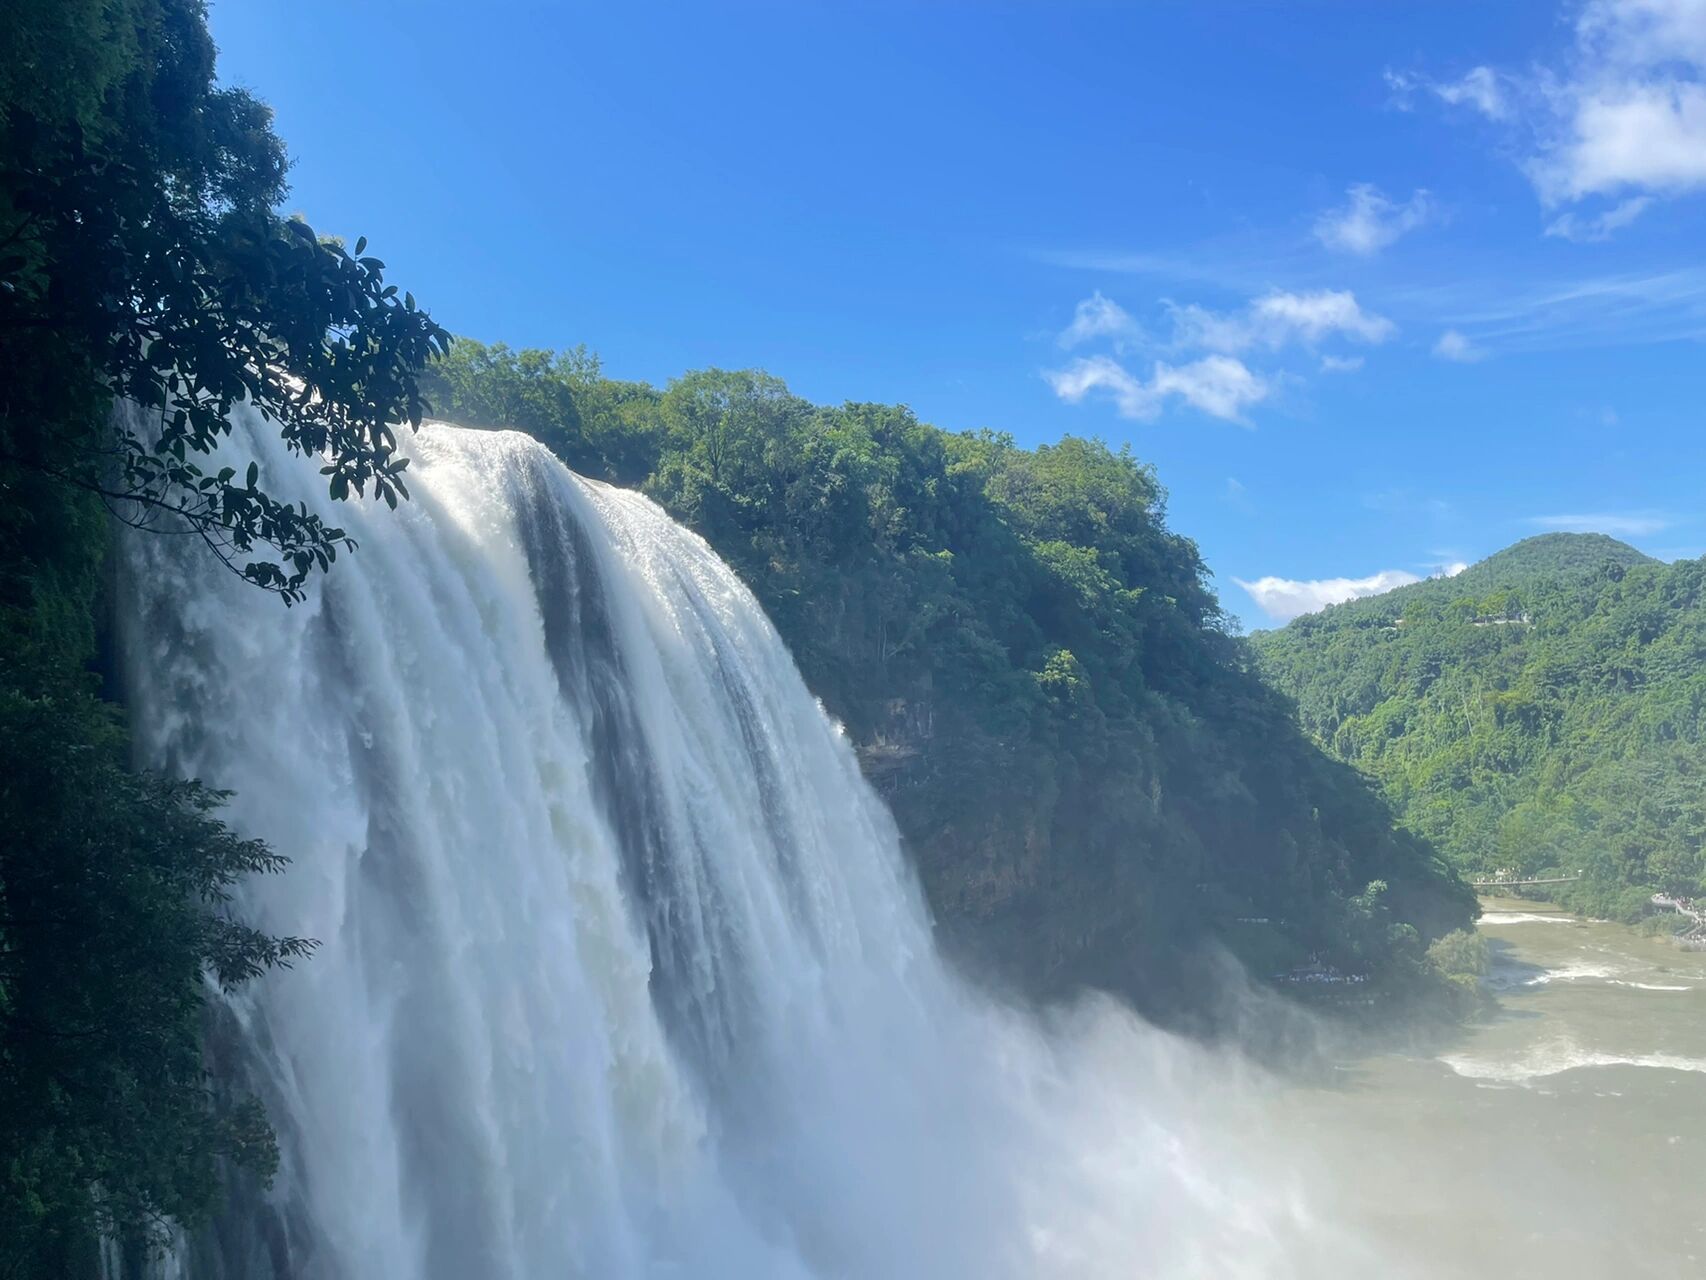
x=1542 y=712
x=1089 y=774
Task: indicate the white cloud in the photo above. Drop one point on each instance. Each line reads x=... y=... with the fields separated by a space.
x=1217 y=382
x=1370 y=220
x=1283 y=599
x=1102 y=373
x=1341 y=364
x=1572 y=226
x=1452 y=345
x=1313 y=316
x=1277 y=319
x=1644 y=135
x=1218 y=385
x=1098 y=317
x=1621 y=524
x=1452 y=570
x=1478 y=88
x=1621 y=115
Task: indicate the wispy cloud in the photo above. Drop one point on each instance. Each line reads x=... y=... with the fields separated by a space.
x=1621 y=116
x=1283 y=599
x=1278 y=319
x=1217 y=381
x=1590 y=311
x=1452 y=345
x=1406 y=502
x=1341 y=364
x=1619 y=524
x=1573 y=226
x=1369 y=220
x=1243 y=262
x=1218 y=385
x=1480 y=87
x=1099 y=317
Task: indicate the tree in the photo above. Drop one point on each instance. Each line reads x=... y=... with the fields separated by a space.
x=116 y=886
x=144 y=259
x=148 y=286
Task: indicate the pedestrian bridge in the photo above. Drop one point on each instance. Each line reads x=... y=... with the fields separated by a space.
x=1511 y=883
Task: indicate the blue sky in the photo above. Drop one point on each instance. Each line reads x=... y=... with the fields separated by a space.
x=1378 y=288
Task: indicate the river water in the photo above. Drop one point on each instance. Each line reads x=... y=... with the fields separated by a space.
x=1565 y=1137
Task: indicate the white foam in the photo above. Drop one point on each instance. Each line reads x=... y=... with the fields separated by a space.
x=1649 y=986
x=1561 y=1056
x=1524 y=917
x=1577 y=972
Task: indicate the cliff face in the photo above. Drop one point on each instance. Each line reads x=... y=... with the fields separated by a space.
x=1094 y=784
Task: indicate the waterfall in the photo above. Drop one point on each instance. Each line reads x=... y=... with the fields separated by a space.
x=622 y=971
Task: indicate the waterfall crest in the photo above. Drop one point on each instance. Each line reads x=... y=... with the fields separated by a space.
x=622 y=972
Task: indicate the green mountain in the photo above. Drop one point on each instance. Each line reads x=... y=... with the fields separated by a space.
x=1549 y=555
x=1540 y=712
x=1091 y=778
x=1555 y=555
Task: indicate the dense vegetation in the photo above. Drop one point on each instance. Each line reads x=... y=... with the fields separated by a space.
x=1087 y=771
x=142 y=259
x=1091 y=775
x=1540 y=713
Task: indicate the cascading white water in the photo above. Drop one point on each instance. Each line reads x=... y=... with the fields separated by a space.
x=622 y=973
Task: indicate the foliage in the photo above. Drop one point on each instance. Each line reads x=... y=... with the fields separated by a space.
x=1461 y=960
x=116 y=886
x=1462 y=953
x=1540 y=714
x=142 y=259
x=141 y=256
x=1092 y=779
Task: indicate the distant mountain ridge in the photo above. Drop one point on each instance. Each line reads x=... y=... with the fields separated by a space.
x=1547 y=555
x=1542 y=711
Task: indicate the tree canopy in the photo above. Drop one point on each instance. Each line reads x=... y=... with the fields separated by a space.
x=1542 y=713
x=142 y=257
